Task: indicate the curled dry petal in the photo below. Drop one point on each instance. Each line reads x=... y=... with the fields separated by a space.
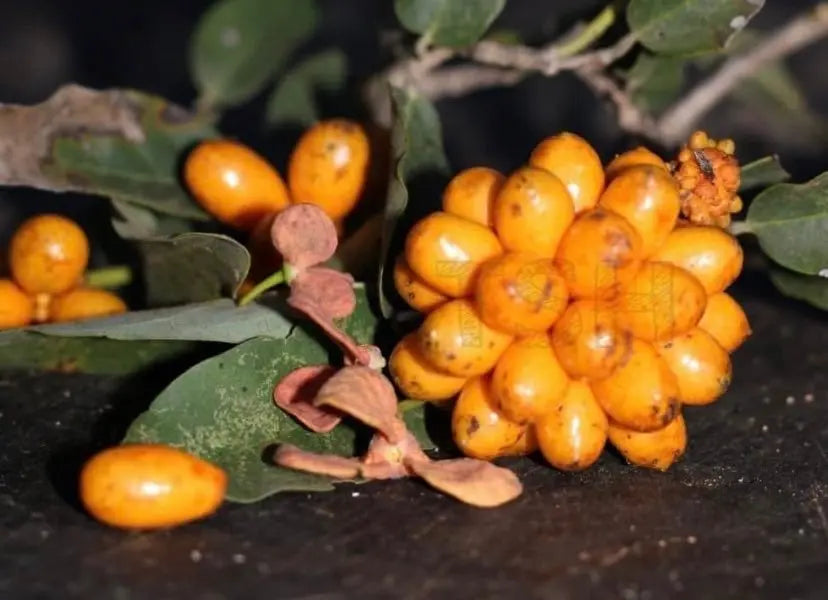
x=331 y=290
x=308 y=306
x=304 y=235
x=382 y=452
x=295 y=394
x=367 y=355
x=290 y=456
x=472 y=481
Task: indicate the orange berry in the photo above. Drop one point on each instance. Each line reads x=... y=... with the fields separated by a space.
x=528 y=379
x=725 y=320
x=481 y=431
x=572 y=435
x=648 y=198
x=571 y=159
x=454 y=339
x=85 y=303
x=532 y=211
x=329 y=166
x=653 y=449
x=588 y=341
x=711 y=254
x=642 y=392
x=48 y=254
x=148 y=486
x=660 y=302
x=701 y=366
x=446 y=251
x=520 y=293
x=598 y=254
x=633 y=158
x=471 y=194
x=417 y=379
x=16 y=308
x=416 y=292
x=233 y=183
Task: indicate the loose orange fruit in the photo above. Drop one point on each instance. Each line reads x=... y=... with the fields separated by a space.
x=148 y=486
x=85 y=303
x=572 y=160
x=233 y=183
x=701 y=366
x=520 y=293
x=16 y=308
x=446 y=251
x=532 y=211
x=725 y=320
x=329 y=166
x=653 y=449
x=416 y=292
x=633 y=158
x=471 y=194
x=48 y=254
x=416 y=378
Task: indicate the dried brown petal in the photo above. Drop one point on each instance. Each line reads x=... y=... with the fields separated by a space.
x=295 y=394
x=332 y=291
x=367 y=355
x=290 y=456
x=304 y=235
x=355 y=354
x=472 y=481
x=406 y=450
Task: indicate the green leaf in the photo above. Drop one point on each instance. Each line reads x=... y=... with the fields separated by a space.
x=809 y=288
x=192 y=267
x=416 y=149
x=791 y=223
x=762 y=172
x=293 y=100
x=689 y=26
x=655 y=81
x=448 y=22
x=420 y=419
x=239 y=45
x=132 y=222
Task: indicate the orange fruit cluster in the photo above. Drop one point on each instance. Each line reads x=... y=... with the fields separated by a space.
x=48 y=255
x=569 y=304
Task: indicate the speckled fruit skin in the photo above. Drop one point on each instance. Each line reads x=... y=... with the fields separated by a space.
x=148 y=486
x=16 y=308
x=701 y=366
x=416 y=292
x=416 y=378
x=48 y=254
x=572 y=160
x=329 y=166
x=85 y=303
x=471 y=194
x=653 y=449
x=233 y=183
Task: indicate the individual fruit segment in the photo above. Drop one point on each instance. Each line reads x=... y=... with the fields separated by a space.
x=653 y=449
x=48 y=254
x=471 y=194
x=598 y=254
x=572 y=160
x=85 y=303
x=329 y=165
x=148 y=486
x=572 y=435
x=647 y=197
x=701 y=366
x=712 y=255
x=233 y=183
x=481 y=431
x=633 y=158
x=520 y=293
x=528 y=379
x=454 y=339
x=416 y=292
x=416 y=378
x=446 y=251
x=532 y=211
x=725 y=320
x=660 y=302
x=588 y=341
x=16 y=307
x=642 y=393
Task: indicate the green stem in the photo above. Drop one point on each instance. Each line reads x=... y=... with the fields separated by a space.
x=591 y=31
x=270 y=282
x=109 y=277
x=740 y=228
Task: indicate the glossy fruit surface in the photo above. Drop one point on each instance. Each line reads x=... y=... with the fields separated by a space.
x=654 y=449
x=85 y=303
x=725 y=320
x=233 y=183
x=471 y=194
x=520 y=293
x=572 y=435
x=701 y=366
x=633 y=158
x=454 y=339
x=598 y=254
x=48 y=254
x=642 y=393
x=660 y=302
x=16 y=307
x=532 y=211
x=329 y=166
x=572 y=160
x=416 y=292
x=416 y=378
x=528 y=379
x=147 y=486
x=446 y=252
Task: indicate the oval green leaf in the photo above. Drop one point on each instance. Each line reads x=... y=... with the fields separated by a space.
x=655 y=81
x=762 y=172
x=448 y=22
x=808 y=288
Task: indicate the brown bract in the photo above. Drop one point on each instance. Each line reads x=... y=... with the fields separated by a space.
x=296 y=391
x=304 y=236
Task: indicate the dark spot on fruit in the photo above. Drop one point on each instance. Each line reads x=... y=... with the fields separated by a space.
x=474 y=425
x=491 y=345
x=467 y=367
x=668 y=345
x=575 y=465
x=451 y=356
x=705 y=166
x=515 y=209
x=597 y=215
